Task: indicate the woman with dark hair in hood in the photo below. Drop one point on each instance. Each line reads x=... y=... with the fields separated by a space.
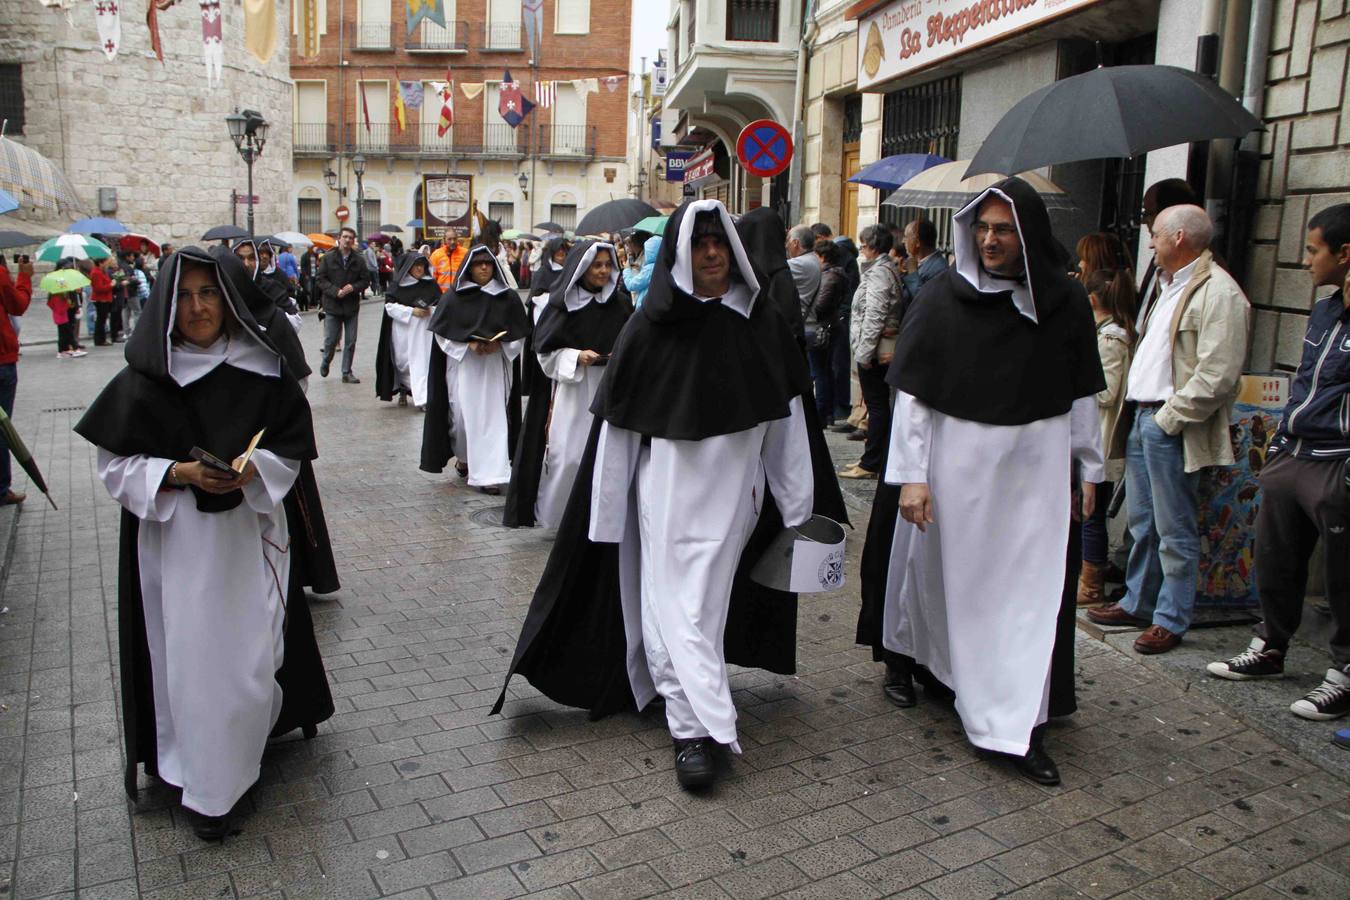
x=551 y=262
x=259 y=257
x=404 y=349
x=765 y=239
x=216 y=644
x=473 y=407
x=572 y=339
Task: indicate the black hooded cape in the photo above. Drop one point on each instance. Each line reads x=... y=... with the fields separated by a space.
x=974 y=356
x=593 y=327
x=765 y=237
x=462 y=313
x=144 y=411
x=265 y=311
x=572 y=646
x=541 y=282
x=424 y=294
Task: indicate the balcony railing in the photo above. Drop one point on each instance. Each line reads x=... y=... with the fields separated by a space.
x=371 y=36
x=375 y=141
x=752 y=20
x=313 y=137
x=567 y=140
x=421 y=139
x=502 y=36
x=432 y=38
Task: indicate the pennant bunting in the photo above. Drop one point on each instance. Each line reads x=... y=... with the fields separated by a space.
x=431 y=10
x=472 y=90
x=108 y=16
x=512 y=106
x=213 y=50
x=260 y=28
x=307 y=13
x=612 y=83
x=546 y=93
x=533 y=13
x=584 y=86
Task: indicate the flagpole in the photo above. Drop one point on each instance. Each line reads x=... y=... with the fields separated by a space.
x=534 y=153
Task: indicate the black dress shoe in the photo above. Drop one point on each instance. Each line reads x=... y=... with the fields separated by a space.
x=694 y=763
x=211 y=828
x=350 y=379
x=899 y=688
x=1038 y=766
x=323 y=370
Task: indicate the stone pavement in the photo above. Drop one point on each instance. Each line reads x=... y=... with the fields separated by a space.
x=412 y=790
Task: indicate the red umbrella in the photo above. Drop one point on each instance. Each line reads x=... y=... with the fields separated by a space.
x=377 y=238
x=132 y=242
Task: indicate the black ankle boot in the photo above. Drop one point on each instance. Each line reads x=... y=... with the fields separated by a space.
x=211 y=828
x=1037 y=764
x=694 y=763
x=898 y=687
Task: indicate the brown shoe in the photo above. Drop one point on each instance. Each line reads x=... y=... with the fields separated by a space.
x=1156 y=639
x=857 y=472
x=12 y=497
x=1091 y=583
x=1114 y=614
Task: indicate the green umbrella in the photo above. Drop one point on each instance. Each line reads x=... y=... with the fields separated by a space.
x=652 y=224
x=77 y=246
x=22 y=454
x=63 y=281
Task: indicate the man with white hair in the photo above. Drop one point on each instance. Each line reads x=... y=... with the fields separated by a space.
x=1177 y=403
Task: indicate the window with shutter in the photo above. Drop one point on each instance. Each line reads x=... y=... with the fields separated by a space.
x=573 y=17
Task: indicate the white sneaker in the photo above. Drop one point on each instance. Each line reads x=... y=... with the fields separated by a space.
x=78 y=353
x=1329 y=700
x=63 y=354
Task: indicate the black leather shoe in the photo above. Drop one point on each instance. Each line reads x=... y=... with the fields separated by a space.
x=899 y=688
x=212 y=828
x=350 y=379
x=1038 y=766
x=694 y=763
x=323 y=370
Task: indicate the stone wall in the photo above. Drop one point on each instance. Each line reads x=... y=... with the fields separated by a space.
x=154 y=132
x=1305 y=167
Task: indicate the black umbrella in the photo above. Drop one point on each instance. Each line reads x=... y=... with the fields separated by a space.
x=9 y=239
x=615 y=215
x=22 y=454
x=391 y=228
x=551 y=226
x=224 y=233
x=1113 y=112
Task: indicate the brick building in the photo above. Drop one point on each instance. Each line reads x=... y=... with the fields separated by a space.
x=559 y=162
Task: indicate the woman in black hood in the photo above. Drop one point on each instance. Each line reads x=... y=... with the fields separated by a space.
x=404 y=349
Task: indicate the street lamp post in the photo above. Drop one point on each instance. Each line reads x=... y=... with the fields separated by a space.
x=359 y=170
x=248 y=130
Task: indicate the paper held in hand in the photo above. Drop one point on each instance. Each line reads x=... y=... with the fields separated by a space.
x=248 y=453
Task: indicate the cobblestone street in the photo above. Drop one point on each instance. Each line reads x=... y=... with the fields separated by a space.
x=412 y=790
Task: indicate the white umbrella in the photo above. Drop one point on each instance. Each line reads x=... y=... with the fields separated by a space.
x=942 y=187
x=294 y=238
x=72 y=246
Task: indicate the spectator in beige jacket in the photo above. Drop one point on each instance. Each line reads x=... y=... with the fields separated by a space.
x=1178 y=402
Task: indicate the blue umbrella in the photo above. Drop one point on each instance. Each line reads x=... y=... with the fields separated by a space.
x=97 y=226
x=414 y=223
x=7 y=202
x=889 y=173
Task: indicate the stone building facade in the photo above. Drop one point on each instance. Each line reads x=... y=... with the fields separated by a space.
x=153 y=133
x=573 y=154
x=1305 y=167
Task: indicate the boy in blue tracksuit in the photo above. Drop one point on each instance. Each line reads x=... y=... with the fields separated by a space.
x=1305 y=486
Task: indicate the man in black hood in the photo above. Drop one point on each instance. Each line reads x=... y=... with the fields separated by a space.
x=699 y=455
x=996 y=371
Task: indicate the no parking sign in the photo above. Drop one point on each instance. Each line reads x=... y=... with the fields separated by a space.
x=764 y=148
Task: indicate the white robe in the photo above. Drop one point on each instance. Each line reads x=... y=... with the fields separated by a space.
x=410 y=341
x=681 y=512
x=975 y=597
x=479 y=388
x=213 y=621
x=569 y=427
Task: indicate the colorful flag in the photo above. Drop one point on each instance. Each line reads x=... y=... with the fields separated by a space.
x=533 y=13
x=107 y=14
x=546 y=93
x=612 y=83
x=424 y=9
x=513 y=106
x=365 y=110
x=260 y=28
x=307 y=12
x=400 y=114
x=412 y=93
x=447 y=106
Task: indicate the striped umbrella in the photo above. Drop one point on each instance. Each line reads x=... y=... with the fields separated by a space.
x=35 y=180
x=72 y=246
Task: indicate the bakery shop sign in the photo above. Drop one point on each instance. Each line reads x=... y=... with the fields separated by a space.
x=908 y=35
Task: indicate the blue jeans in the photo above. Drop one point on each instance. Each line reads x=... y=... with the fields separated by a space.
x=1164 y=563
x=9 y=381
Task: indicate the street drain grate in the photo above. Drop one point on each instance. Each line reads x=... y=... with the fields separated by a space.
x=57 y=409
x=491 y=515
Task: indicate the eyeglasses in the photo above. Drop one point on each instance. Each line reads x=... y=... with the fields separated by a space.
x=208 y=294
x=1001 y=231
